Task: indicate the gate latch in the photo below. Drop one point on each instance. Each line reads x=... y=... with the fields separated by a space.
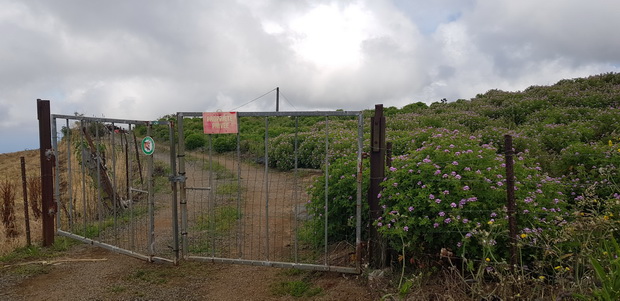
x=179 y=178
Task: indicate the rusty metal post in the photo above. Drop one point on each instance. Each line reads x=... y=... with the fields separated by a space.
x=377 y=173
x=46 y=154
x=510 y=199
x=25 y=191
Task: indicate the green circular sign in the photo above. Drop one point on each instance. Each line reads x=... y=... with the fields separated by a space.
x=148 y=145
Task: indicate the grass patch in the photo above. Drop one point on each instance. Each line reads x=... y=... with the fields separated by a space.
x=150 y=276
x=118 y=289
x=228 y=189
x=201 y=246
x=310 y=240
x=298 y=284
x=224 y=219
x=95 y=228
x=295 y=288
x=61 y=244
x=30 y=269
x=161 y=171
x=216 y=225
x=221 y=172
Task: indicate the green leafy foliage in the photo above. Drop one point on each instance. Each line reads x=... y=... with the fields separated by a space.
x=194 y=141
x=340 y=202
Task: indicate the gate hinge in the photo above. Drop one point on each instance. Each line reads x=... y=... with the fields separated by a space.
x=177 y=178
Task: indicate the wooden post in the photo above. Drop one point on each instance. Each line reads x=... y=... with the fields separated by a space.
x=25 y=191
x=46 y=154
x=377 y=173
x=510 y=199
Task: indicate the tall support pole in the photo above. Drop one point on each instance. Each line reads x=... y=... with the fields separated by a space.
x=358 y=209
x=266 y=188
x=55 y=163
x=175 y=208
x=46 y=155
x=180 y=144
x=151 y=197
x=326 y=206
x=377 y=173
x=510 y=198
x=25 y=191
x=277 y=99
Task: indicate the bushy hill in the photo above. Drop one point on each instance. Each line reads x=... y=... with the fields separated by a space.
x=446 y=188
x=549 y=121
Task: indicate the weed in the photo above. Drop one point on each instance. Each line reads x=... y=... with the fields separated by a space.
x=607 y=271
x=22 y=253
x=228 y=189
x=150 y=276
x=298 y=284
x=30 y=270
x=224 y=219
x=7 y=189
x=118 y=289
x=34 y=196
x=221 y=172
x=295 y=288
x=201 y=246
x=61 y=244
x=217 y=225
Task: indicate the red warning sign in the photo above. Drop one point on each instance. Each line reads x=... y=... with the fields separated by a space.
x=220 y=122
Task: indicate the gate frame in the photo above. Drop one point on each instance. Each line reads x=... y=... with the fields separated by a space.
x=151 y=237
x=180 y=177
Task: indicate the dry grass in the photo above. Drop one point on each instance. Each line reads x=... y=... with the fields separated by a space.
x=7 y=210
x=10 y=171
x=75 y=186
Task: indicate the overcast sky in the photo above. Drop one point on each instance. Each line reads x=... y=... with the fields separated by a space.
x=144 y=59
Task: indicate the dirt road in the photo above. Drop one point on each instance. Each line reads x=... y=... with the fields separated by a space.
x=90 y=273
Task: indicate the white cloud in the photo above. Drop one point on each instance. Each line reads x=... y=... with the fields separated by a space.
x=144 y=59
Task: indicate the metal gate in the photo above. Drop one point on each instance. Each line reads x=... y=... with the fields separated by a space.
x=111 y=194
x=235 y=208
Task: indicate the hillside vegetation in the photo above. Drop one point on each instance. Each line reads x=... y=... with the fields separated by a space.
x=444 y=194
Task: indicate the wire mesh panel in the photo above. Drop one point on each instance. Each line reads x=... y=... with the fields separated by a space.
x=261 y=196
x=108 y=191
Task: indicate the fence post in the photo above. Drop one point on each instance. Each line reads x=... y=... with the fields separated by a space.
x=46 y=154
x=377 y=249
x=510 y=199
x=25 y=191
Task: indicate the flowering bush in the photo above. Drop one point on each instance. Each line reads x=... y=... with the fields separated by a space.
x=590 y=169
x=450 y=193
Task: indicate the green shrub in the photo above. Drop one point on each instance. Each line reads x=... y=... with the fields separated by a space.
x=194 y=141
x=224 y=143
x=341 y=201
